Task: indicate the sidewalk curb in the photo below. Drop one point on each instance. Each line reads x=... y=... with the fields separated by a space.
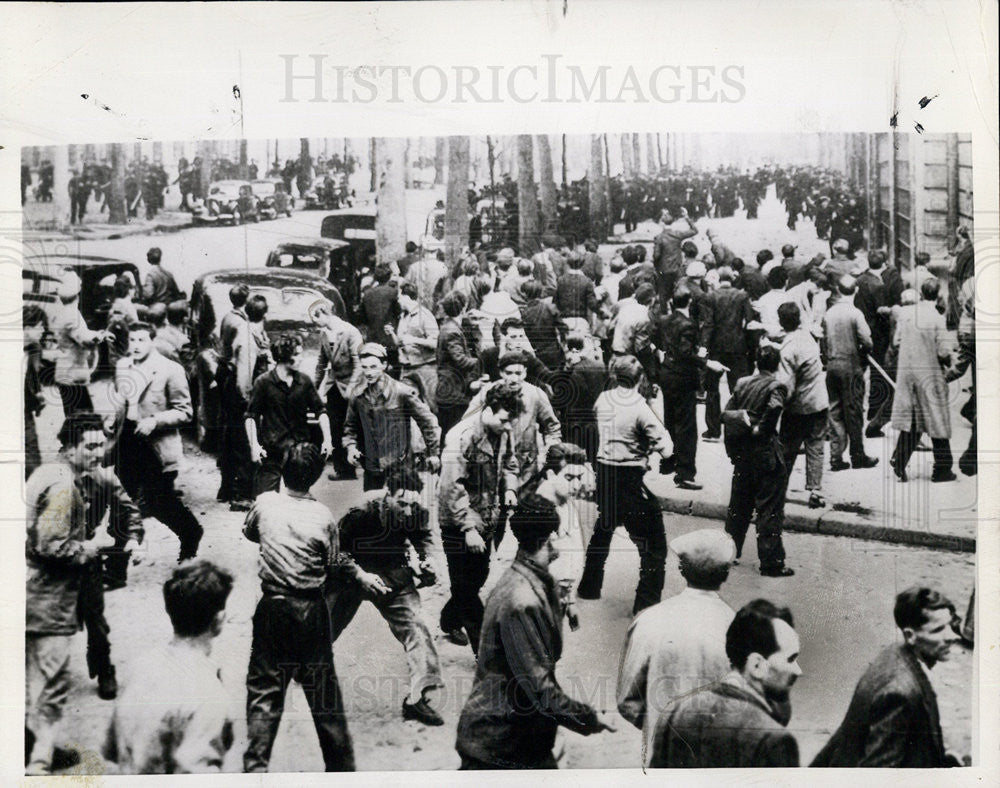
x=829 y=523
x=111 y=235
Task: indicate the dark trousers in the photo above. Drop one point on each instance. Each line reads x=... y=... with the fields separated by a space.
x=880 y=393
x=336 y=409
x=738 y=368
x=75 y=398
x=846 y=387
x=32 y=453
x=467 y=573
x=623 y=499
x=91 y=612
x=907 y=443
x=665 y=282
x=680 y=407
x=141 y=473
x=449 y=415
x=759 y=480
x=235 y=466
x=291 y=641
x=267 y=473
x=373 y=480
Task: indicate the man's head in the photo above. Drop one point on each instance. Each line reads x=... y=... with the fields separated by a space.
x=924 y=616
x=403 y=489
x=846 y=285
x=502 y=405
x=69 y=287
x=525 y=267
x=777 y=278
x=726 y=274
x=411 y=247
x=533 y=522
x=696 y=270
x=238 y=294
x=690 y=250
x=930 y=288
x=512 y=330
x=302 y=467
x=154 y=255
x=640 y=253
x=382 y=273
x=505 y=257
x=33 y=322
x=764 y=256
x=531 y=290
x=788 y=251
x=921 y=259
x=453 y=304
x=840 y=246
x=574 y=261
x=705 y=557
x=768 y=358
x=195 y=597
x=789 y=317
x=762 y=645
x=574 y=349
x=629 y=255
x=286 y=350
x=681 y=298
x=644 y=294
x=140 y=340
x=256 y=308
x=513 y=368
x=626 y=371
x=566 y=469
x=666 y=217
x=374 y=360
x=409 y=297
x=82 y=439
x=876 y=259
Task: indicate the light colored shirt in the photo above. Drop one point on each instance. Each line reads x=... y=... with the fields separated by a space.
x=298 y=541
x=629 y=322
x=767 y=309
x=846 y=332
x=174 y=716
x=671 y=650
x=422 y=325
x=629 y=429
x=802 y=371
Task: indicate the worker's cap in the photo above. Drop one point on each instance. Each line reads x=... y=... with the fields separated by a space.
x=373 y=349
x=505 y=254
x=696 y=269
x=706 y=548
x=69 y=286
x=841 y=245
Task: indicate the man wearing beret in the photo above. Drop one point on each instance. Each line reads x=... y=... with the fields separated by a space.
x=678 y=645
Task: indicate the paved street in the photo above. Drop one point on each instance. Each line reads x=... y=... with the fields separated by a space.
x=841 y=595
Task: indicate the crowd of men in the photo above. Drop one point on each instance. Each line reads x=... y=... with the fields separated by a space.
x=523 y=384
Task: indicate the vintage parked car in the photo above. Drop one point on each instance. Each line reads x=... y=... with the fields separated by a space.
x=433 y=238
x=228 y=201
x=492 y=217
x=328 y=258
x=272 y=199
x=41 y=275
x=356 y=226
x=291 y=298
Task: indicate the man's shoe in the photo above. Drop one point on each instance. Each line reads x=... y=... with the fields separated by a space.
x=816 y=501
x=874 y=431
x=780 y=570
x=589 y=591
x=457 y=636
x=343 y=476
x=687 y=484
x=944 y=476
x=900 y=472
x=709 y=437
x=839 y=465
x=865 y=462
x=668 y=465
x=64 y=758
x=240 y=506
x=421 y=711
x=968 y=467
x=107 y=684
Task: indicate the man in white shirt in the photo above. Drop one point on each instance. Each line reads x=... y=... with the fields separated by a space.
x=678 y=645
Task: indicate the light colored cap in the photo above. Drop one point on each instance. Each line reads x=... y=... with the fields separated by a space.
x=695 y=269
x=706 y=547
x=69 y=286
x=505 y=254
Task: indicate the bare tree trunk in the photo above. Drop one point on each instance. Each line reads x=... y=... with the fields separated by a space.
x=636 y=155
x=565 y=181
x=659 y=152
x=547 y=185
x=528 y=231
x=628 y=164
x=408 y=163
x=206 y=152
x=456 y=215
x=116 y=196
x=373 y=164
x=305 y=167
x=440 y=151
x=390 y=221
x=244 y=170
x=651 y=165
x=596 y=183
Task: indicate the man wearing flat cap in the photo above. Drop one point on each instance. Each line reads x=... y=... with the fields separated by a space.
x=379 y=412
x=678 y=645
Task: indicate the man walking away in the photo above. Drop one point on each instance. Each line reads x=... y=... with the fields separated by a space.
x=299 y=548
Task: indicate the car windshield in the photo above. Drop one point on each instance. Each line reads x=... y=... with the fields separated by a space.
x=225 y=190
x=310 y=260
x=265 y=189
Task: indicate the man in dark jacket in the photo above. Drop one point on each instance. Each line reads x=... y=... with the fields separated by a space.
x=668 y=259
x=724 y=315
x=541 y=325
x=380 y=307
x=893 y=717
x=457 y=366
x=740 y=721
x=575 y=390
x=160 y=286
x=379 y=414
x=575 y=296
x=758 y=463
x=516 y=704
x=871 y=299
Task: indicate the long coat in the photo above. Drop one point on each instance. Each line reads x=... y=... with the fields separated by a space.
x=923 y=346
x=892 y=720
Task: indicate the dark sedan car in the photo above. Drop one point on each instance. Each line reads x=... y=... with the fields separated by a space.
x=291 y=298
